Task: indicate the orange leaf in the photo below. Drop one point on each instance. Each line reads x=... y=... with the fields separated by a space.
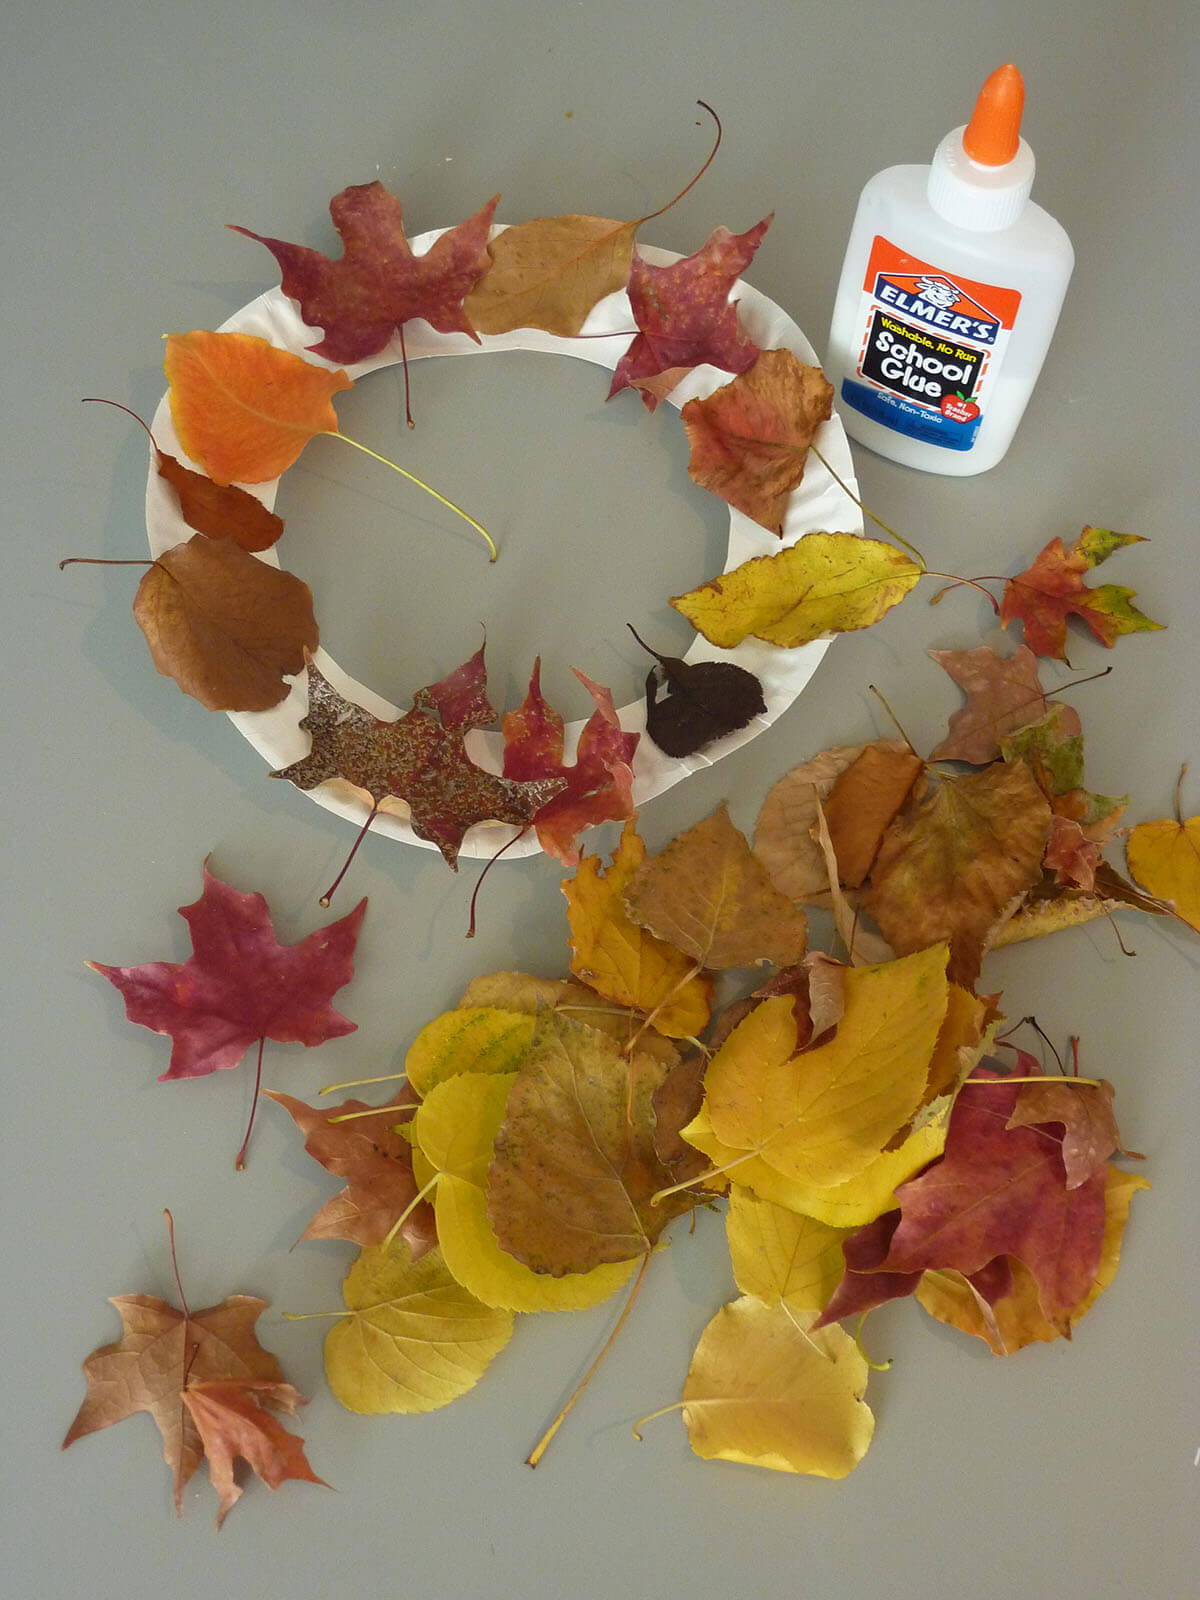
x=243 y=409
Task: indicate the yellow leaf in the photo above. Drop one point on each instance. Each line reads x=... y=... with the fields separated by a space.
x=242 y=408
x=1018 y=1319
x=622 y=961
x=821 y=1116
x=470 y=1039
x=520 y=991
x=1164 y=857
x=550 y=272
x=414 y=1340
x=455 y=1129
x=778 y=1254
x=826 y=583
x=708 y=895
x=862 y=1198
x=1036 y=918
x=766 y=1390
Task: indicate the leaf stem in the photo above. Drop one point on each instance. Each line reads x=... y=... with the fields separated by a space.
x=240 y=1161
x=676 y=1405
x=332 y=433
x=867 y=512
x=647 y=1021
x=875 y=1366
x=175 y=1263
x=408 y=1211
x=104 y=561
x=357 y=1083
x=702 y=1177
x=711 y=157
x=539 y=1449
x=1081 y=1083
x=362 y=834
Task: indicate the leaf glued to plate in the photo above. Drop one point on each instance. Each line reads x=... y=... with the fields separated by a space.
x=550 y=272
x=750 y=439
x=705 y=700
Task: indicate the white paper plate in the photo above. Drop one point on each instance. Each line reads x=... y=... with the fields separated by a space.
x=818 y=503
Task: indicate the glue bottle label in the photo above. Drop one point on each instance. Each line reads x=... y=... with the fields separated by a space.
x=929 y=346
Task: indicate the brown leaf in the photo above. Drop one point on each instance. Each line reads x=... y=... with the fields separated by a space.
x=958 y=854
x=1090 y=1133
x=375 y=1160
x=520 y=991
x=575 y=1169
x=222 y=511
x=750 y=438
x=862 y=803
x=1003 y=694
x=708 y=895
x=231 y=1422
x=675 y=1103
x=783 y=835
x=226 y=627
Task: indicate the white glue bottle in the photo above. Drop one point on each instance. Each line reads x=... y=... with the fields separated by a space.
x=949 y=295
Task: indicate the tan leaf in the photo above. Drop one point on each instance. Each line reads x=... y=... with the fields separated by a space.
x=550 y=272
x=862 y=803
x=709 y=896
x=232 y=1422
x=1003 y=694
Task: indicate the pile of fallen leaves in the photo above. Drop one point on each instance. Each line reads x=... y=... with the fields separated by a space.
x=862 y=1113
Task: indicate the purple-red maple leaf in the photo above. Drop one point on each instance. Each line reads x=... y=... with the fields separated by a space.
x=599 y=787
x=240 y=986
x=378 y=284
x=685 y=316
x=996 y=1191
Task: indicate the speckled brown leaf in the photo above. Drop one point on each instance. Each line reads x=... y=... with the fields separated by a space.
x=420 y=758
x=575 y=1168
x=710 y=896
x=226 y=627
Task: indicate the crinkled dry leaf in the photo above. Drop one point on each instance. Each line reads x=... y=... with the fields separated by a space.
x=768 y=1390
x=709 y=895
x=1090 y=1133
x=750 y=439
x=825 y=583
x=414 y=1339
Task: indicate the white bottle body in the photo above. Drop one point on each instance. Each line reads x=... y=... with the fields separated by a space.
x=878 y=347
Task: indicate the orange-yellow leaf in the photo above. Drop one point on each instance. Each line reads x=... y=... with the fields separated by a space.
x=1164 y=857
x=242 y=408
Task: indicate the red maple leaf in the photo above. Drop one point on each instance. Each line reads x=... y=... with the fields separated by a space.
x=240 y=985
x=996 y=1191
x=378 y=284
x=685 y=315
x=1052 y=589
x=599 y=787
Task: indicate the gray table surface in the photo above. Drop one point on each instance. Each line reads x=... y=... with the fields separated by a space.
x=129 y=136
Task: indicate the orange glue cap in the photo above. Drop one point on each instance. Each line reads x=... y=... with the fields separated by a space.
x=994 y=131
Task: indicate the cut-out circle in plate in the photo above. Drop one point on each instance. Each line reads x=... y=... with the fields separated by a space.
x=817 y=503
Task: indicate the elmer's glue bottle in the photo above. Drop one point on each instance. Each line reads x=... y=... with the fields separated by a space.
x=950 y=291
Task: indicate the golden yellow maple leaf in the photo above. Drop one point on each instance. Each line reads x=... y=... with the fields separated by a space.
x=820 y=1116
x=825 y=583
x=414 y=1338
x=625 y=962
x=767 y=1390
x=455 y=1129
